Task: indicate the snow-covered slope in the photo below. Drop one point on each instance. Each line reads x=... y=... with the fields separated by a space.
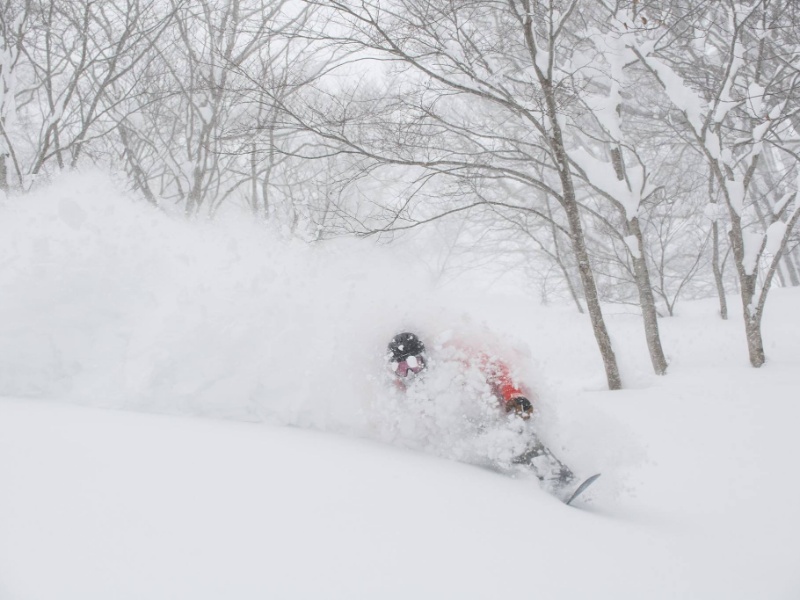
x=111 y=305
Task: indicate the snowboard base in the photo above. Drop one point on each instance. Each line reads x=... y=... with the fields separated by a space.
x=581 y=488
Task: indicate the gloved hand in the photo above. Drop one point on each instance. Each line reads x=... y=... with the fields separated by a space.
x=521 y=406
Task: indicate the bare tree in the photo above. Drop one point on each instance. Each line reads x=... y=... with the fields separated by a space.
x=740 y=107
x=66 y=70
x=201 y=132
x=14 y=26
x=479 y=92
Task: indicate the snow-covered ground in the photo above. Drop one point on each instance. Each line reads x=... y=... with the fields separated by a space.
x=192 y=411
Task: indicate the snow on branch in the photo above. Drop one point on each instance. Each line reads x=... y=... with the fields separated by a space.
x=601 y=175
x=681 y=95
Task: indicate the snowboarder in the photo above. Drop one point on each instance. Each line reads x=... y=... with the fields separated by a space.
x=408 y=359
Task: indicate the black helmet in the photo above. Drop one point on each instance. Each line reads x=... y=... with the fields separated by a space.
x=404 y=345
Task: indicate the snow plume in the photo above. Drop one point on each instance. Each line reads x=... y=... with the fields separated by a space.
x=124 y=305
x=110 y=302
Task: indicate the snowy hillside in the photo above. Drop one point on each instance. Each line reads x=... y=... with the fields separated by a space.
x=194 y=410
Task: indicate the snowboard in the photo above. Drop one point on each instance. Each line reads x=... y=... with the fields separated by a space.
x=581 y=488
x=556 y=477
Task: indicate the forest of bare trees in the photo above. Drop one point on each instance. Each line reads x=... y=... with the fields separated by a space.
x=634 y=152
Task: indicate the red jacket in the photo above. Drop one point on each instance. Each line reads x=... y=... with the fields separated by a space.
x=498 y=376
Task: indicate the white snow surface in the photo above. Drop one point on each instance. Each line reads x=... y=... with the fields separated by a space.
x=200 y=410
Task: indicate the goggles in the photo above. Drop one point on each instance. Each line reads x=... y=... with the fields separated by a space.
x=415 y=364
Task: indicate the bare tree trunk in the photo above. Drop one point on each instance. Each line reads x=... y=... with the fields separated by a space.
x=755 y=345
x=748 y=282
x=642 y=277
x=752 y=325
x=590 y=291
x=715 y=265
x=3 y=173
x=253 y=180
x=194 y=199
x=266 y=184
x=791 y=269
x=137 y=173
x=647 y=301
x=765 y=224
x=787 y=272
x=571 y=208
x=715 y=262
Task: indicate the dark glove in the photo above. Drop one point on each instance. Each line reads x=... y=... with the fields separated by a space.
x=521 y=406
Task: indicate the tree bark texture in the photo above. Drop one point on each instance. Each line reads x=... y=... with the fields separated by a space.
x=717 y=268
x=748 y=283
x=647 y=301
x=572 y=210
x=641 y=274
